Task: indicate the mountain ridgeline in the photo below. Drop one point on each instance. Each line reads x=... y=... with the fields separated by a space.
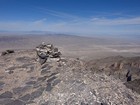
x=54 y=79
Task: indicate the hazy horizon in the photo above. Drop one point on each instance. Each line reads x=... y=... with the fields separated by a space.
x=79 y=27
x=80 y=17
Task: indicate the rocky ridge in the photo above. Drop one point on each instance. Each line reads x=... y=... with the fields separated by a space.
x=119 y=67
x=69 y=81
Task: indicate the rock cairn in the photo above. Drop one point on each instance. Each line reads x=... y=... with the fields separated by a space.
x=45 y=51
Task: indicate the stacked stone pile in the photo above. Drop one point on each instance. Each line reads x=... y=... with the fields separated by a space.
x=45 y=51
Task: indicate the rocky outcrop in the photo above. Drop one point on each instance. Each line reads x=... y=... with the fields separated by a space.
x=117 y=65
x=7 y=52
x=67 y=82
x=134 y=85
x=126 y=69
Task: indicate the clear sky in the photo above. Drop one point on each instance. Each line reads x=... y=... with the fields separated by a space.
x=87 y=17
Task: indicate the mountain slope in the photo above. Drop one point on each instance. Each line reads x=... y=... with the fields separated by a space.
x=67 y=82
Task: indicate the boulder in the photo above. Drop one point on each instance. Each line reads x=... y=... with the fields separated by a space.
x=3 y=53
x=7 y=52
x=10 y=51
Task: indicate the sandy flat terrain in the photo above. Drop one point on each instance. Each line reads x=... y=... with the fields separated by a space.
x=74 y=46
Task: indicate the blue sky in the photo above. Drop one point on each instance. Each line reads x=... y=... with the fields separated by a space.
x=85 y=17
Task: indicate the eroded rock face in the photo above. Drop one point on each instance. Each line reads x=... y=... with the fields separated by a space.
x=67 y=82
x=117 y=66
x=134 y=85
x=125 y=69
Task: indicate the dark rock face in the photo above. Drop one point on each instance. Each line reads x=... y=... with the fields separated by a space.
x=46 y=103
x=42 y=78
x=125 y=69
x=35 y=94
x=129 y=78
x=26 y=65
x=44 y=71
x=3 y=53
x=6 y=94
x=25 y=98
x=53 y=74
x=16 y=102
x=24 y=59
x=134 y=85
x=56 y=82
x=82 y=103
x=31 y=83
x=7 y=52
x=1 y=83
x=20 y=90
x=129 y=75
x=103 y=103
x=12 y=68
x=1 y=77
x=5 y=101
x=30 y=102
x=44 y=66
x=11 y=72
x=10 y=51
x=42 y=61
x=51 y=79
x=49 y=87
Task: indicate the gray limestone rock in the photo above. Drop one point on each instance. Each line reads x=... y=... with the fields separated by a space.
x=42 y=78
x=24 y=59
x=25 y=98
x=1 y=77
x=44 y=71
x=16 y=102
x=45 y=103
x=1 y=83
x=20 y=90
x=82 y=103
x=44 y=66
x=6 y=94
x=5 y=101
x=49 y=87
x=57 y=81
x=31 y=83
x=42 y=61
x=35 y=94
x=51 y=79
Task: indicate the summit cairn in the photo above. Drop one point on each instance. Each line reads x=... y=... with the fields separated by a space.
x=45 y=51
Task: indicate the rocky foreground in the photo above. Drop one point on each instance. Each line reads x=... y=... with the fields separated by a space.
x=70 y=81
